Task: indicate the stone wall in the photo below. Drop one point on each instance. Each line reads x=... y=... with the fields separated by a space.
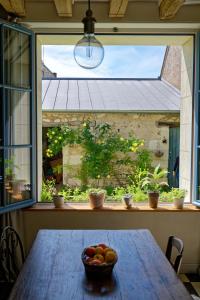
x=186 y=117
x=144 y=126
x=171 y=71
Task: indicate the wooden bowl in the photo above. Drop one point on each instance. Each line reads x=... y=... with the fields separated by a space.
x=102 y=270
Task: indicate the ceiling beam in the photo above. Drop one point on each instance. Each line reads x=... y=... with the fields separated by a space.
x=117 y=8
x=64 y=8
x=14 y=6
x=169 y=8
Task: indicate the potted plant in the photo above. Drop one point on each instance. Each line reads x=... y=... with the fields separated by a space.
x=58 y=199
x=96 y=197
x=178 y=196
x=154 y=184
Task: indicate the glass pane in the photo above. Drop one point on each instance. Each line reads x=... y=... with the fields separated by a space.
x=16 y=58
x=17 y=117
x=1 y=178
x=17 y=181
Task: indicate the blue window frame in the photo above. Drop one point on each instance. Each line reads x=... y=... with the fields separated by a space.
x=17 y=118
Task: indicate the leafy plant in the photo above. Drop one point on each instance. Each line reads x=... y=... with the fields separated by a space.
x=153 y=180
x=96 y=191
x=177 y=193
x=10 y=166
x=57 y=169
x=140 y=196
x=48 y=190
x=104 y=150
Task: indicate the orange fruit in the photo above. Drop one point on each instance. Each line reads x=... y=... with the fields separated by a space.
x=99 y=257
x=110 y=256
x=99 y=250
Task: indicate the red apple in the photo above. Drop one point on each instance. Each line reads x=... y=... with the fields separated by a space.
x=90 y=251
x=95 y=262
x=102 y=246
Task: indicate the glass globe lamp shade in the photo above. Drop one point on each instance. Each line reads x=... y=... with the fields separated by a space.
x=88 y=52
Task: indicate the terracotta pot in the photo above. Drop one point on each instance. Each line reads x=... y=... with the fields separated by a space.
x=153 y=199
x=178 y=203
x=58 y=201
x=96 y=199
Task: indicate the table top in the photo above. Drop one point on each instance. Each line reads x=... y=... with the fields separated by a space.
x=54 y=271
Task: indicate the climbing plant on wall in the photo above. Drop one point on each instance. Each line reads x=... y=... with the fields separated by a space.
x=105 y=151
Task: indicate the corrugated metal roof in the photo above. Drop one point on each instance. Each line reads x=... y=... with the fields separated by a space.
x=109 y=95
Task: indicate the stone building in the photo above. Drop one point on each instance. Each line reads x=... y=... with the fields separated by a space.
x=150 y=108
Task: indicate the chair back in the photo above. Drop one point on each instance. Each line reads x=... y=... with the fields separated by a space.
x=175 y=242
x=11 y=254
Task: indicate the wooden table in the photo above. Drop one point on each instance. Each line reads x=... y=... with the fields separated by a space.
x=54 y=271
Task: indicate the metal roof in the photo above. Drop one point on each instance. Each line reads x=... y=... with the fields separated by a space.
x=152 y=95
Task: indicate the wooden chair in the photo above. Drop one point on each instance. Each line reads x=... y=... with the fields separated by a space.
x=11 y=259
x=174 y=242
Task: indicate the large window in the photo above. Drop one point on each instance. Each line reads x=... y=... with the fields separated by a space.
x=17 y=128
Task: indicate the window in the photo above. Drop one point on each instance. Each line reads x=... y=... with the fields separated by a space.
x=17 y=128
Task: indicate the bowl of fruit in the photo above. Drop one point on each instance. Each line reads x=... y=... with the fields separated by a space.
x=99 y=260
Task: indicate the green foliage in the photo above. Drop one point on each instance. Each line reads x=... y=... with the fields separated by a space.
x=177 y=193
x=48 y=190
x=144 y=159
x=100 y=144
x=153 y=180
x=140 y=196
x=96 y=191
x=10 y=166
x=57 y=169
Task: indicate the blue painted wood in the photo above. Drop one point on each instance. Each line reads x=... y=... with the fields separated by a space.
x=5 y=207
x=174 y=148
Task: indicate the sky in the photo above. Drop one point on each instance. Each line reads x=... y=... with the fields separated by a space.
x=119 y=62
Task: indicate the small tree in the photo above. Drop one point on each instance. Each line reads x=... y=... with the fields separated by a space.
x=105 y=150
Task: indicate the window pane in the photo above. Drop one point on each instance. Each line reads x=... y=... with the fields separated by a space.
x=17 y=117
x=16 y=58
x=17 y=181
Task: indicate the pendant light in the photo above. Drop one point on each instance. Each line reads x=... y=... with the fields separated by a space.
x=89 y=52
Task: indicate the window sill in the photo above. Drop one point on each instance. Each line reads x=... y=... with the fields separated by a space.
x=111 y=207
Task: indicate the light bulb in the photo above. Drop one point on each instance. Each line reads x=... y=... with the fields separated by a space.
x=89 y=52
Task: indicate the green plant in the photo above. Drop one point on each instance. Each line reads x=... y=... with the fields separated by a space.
x=57 y=169
x=177 y=193
x=48 y=190
x=10 y=166
x=140 y=196
x=104 y=150
x=166 y=197
x=153 y=180
x=96 y=191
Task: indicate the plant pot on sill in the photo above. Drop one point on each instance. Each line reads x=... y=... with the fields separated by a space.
x=153 y=199
x=127 y=199
x=178 y=203
x=58 y=201
x=96 y=199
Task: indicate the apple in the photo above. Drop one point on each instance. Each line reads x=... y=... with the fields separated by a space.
x=102 y=246
x=99 y=257
x=90 y=251
x=99 y=250
x=110 y=256
x=95 y=262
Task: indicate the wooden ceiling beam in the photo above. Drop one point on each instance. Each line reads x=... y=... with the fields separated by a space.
x=169 y=8
x=64 y=8
x=118 y=8
x=16 y=7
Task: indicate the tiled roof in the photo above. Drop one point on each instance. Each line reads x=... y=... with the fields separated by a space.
x=109 y=95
